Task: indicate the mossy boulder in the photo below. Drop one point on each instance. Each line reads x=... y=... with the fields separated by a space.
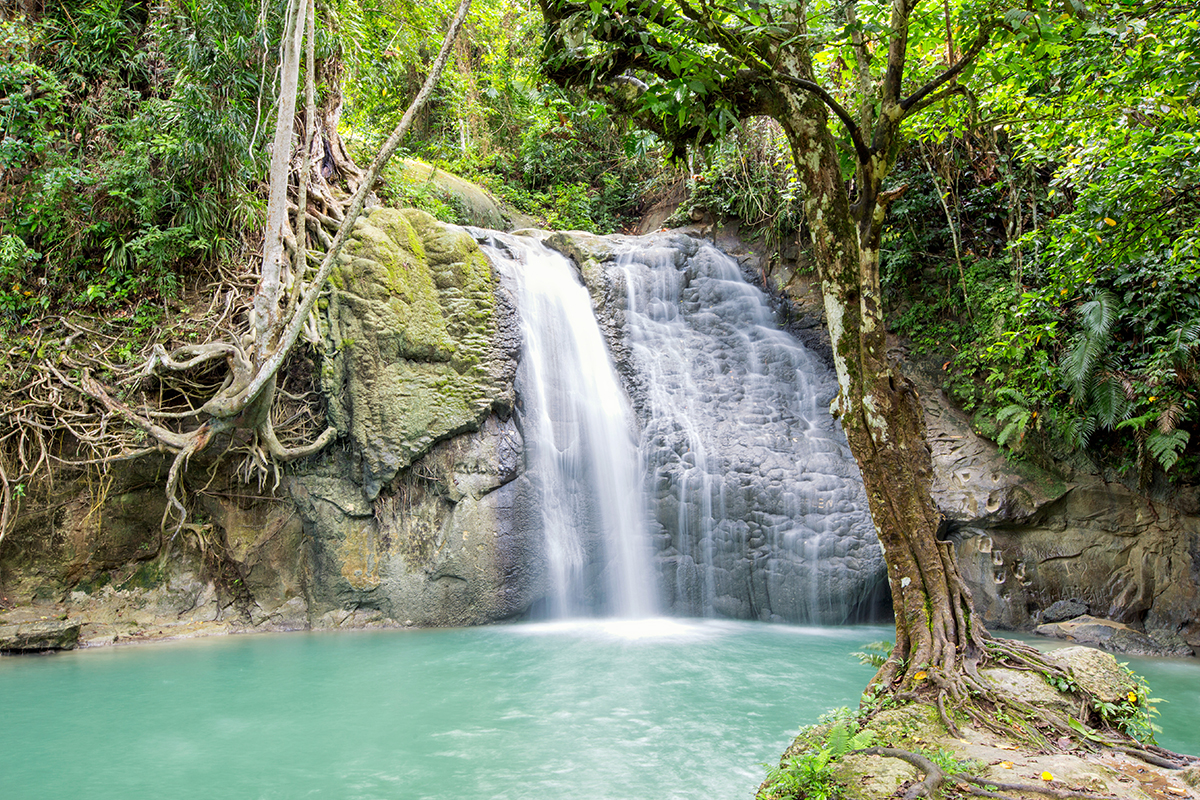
x=424 y=520
x=425 y=340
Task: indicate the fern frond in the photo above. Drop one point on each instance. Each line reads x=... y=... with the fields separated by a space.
x=1079 y=362
x=1127 y=385
x=863 y=739
x=1018 y=421
x=1014 y=396
x=838 y=743
x=875 y=653
x=1098 y=314
x=1167 y=447
x=1096 y=318
x=1109 y=403
x=1187 y=336
x=1080 y=431
x=1137 y=423
x=1169 y=417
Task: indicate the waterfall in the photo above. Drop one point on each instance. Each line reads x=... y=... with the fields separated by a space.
x=713 y=477
x=756 y=496
x=580 y=437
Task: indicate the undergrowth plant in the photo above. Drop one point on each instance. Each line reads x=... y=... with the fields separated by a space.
x=810 y=773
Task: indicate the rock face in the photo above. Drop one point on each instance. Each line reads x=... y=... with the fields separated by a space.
x=1028 y=539
x=430 y=528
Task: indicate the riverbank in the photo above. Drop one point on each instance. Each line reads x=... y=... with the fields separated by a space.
x=885 y=750
x=112 y=616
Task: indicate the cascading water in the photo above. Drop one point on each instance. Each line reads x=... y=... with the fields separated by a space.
x=758 y=503
x=580 y=440
x=756 y=509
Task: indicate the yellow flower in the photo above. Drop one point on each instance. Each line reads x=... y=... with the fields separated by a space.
x=1046 y=776
x=1153 y=398
x=1133 y=697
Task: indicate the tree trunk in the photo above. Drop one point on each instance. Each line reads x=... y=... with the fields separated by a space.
x=879 y=409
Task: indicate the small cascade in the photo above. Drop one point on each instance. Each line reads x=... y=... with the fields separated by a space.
x=581 y=450
x=757 y=501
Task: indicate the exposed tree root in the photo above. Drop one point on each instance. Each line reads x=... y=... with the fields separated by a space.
x=83 y=407
x=936 y=778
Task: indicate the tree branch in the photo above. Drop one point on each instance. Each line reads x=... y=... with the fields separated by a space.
x=914 y=100
x=266 y=300
x=227 y=406
x=860 y=147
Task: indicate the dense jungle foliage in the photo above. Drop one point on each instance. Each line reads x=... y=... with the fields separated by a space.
x=1043 y=255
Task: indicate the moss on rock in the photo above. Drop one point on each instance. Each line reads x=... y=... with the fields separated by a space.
x=418 y=355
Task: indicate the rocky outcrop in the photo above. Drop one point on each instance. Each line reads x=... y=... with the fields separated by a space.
x=1028 y=539
x=36 y=637
x=423 y=524
x=450 y=542
x=1060 y=767
x=1116 y=638
x=414 y=517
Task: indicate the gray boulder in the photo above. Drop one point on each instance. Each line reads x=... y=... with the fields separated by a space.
x=1065 y=609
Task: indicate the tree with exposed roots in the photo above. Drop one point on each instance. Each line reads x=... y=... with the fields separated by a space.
x=690 y=70
x=301 y=207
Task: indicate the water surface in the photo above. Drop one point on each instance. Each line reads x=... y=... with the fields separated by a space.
x=597 y=710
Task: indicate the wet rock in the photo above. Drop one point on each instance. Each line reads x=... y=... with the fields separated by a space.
x=1064 y=609
x=1113 y=637
x=450 y=542
x=33 y=637
x=756 y=490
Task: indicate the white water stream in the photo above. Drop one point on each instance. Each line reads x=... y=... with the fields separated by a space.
x=580 y=437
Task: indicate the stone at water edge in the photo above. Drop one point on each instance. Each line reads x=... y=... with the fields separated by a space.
x=1096 y=672
x=1116 y=637
x=36 y=637
x=1064 y=610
